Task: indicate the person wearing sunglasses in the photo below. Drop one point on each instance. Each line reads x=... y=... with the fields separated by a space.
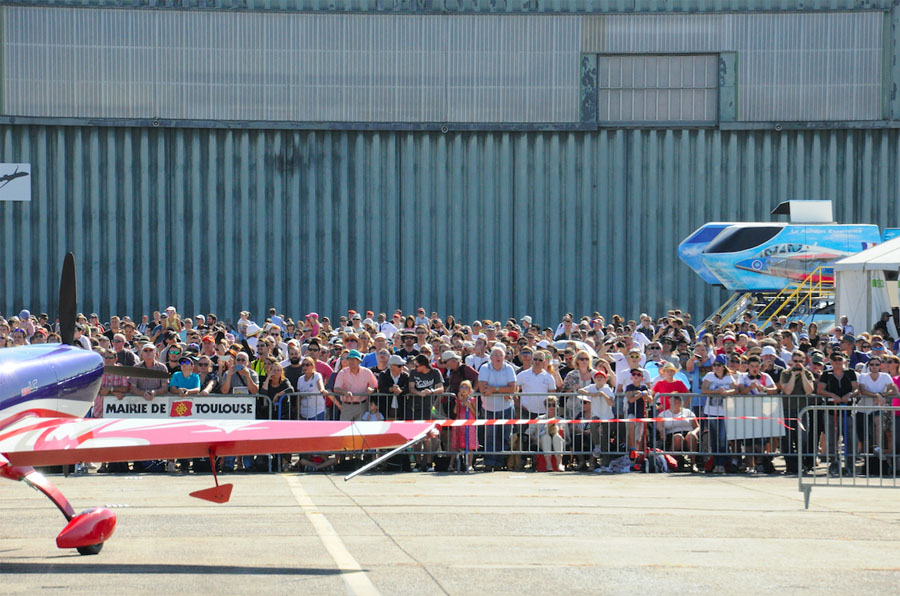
x=718 y=385
x=876 y=389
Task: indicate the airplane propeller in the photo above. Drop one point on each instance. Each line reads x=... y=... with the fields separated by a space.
x=68 y=300
x=68 y=307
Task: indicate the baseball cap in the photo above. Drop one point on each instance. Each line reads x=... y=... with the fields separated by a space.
x=526 y=319
x=395 y=360
x=768 y=351
x=600 y=373
x=208 y=339
x=357 y=316
x=149 y=346
x=449 y=355
x=721 y=359
x=380 y=336
x=849 y=338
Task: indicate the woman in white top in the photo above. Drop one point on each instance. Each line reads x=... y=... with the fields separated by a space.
x=311 y=385
x=718 y=384
x=875 y=389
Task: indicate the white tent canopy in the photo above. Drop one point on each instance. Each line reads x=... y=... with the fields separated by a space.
x=860 y=287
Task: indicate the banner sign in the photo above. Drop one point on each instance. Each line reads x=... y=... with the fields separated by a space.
x=172 y=406
x=15 y=181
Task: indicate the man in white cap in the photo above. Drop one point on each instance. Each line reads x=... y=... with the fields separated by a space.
x=394 y=382
x=371 y=359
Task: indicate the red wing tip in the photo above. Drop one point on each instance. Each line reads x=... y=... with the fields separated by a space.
x=215 y=494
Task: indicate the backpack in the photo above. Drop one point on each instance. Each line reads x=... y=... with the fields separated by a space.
x=653 y=461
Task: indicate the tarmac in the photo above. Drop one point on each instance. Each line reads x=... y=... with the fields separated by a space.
x=481 y=533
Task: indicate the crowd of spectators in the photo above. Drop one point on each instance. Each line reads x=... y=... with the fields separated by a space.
x=398 y=366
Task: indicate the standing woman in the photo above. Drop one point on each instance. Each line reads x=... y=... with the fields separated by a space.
x=311 y=386
x=578 y=378
x=717 y=385
x=813 y=331
x=275 y=387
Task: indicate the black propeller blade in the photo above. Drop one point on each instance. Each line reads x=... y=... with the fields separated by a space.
x=68 y=301
x=135 y=372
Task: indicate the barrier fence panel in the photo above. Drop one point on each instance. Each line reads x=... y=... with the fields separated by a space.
x=859 y=444
x=825 y=445
x=754 y=431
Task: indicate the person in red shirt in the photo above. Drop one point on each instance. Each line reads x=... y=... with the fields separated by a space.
x=667 y=385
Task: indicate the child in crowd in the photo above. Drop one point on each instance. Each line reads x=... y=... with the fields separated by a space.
x=602 y=404
x=464 y=438
x=372 y=414
x=637 y=395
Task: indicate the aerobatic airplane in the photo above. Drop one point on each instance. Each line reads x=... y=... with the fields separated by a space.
x=45 y=390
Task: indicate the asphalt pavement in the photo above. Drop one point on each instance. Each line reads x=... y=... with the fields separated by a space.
x=482 y=533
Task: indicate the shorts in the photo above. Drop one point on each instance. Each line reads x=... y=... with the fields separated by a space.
x=671 y=436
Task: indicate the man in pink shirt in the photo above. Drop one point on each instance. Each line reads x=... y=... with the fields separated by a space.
x=354 y=384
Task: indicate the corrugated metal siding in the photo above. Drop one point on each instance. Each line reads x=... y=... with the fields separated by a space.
x=791 y=67
x=206 y=65
x=478 y=224
x=490 y=6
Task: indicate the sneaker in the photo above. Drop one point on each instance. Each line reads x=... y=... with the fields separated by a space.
x=719 y=470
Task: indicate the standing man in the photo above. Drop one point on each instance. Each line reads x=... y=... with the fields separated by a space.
x=840 y=387
x=354 y=384
x=798 y=384
x=496 y=383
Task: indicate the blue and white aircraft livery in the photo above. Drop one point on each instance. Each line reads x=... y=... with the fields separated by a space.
x=770 y=256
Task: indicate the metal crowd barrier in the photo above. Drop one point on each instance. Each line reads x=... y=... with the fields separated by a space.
x=757 y=431
x=859 y=444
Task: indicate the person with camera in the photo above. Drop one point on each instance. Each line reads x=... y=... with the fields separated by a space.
x=798 y=386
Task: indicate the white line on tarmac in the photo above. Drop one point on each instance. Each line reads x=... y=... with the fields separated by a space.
x=356 y=579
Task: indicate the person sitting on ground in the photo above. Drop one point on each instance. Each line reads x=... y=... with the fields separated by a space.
x=682 y=434
x=550 y=437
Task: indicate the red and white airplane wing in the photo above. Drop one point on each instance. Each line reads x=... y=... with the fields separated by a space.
x=61 y=441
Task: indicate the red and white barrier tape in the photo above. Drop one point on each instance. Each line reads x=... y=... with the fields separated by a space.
x=448 y=422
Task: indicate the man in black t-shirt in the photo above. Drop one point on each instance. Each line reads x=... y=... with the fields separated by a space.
x=839 y=387
x=425 y=383
x=408 y=350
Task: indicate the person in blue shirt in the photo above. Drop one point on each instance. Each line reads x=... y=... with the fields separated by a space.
x=185 y=381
